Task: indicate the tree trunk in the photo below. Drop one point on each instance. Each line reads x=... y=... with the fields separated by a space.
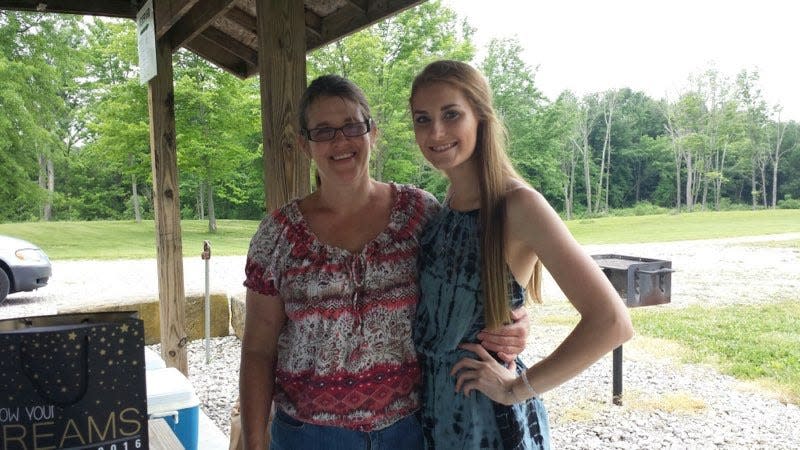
x=137 y=207
x=608 y=114
x=608 y=177
x=705 y=193
x=775 y=180
x=720 y=177
x=47 y=183
x=587 y=176
x=753 y=186
x=678 y=157
x=212 y=218
x=763 y=171
x=51 y=189
x=201 y=200
x=775 y=157
x=677 y=182
x=689 y=181
x=567 y=188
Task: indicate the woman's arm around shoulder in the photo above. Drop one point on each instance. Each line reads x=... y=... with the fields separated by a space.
x=264 y=319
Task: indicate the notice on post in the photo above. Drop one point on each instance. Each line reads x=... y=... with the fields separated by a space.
x=146 y=37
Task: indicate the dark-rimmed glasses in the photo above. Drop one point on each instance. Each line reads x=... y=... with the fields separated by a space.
x=324 y=134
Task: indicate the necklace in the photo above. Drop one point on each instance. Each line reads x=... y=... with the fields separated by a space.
x=449 y=231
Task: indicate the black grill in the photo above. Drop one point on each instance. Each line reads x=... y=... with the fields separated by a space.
x=640 y=282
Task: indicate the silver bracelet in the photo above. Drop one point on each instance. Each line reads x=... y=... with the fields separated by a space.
x=524 y=376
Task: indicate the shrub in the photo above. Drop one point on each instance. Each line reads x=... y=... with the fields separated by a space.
x=788 y=202
x=644 y=208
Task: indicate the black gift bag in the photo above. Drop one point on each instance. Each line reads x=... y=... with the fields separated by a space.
x=73 y=381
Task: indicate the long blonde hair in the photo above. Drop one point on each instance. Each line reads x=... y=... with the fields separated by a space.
x=495 y=169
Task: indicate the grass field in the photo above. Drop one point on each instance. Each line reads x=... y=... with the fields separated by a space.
x=686 y=226
x=129 y=240
x=120 y=239
x=752 y=342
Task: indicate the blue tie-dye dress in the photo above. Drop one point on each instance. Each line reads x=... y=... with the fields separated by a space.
x=450 y=312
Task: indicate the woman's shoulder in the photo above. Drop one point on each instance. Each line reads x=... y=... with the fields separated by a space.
x=529 y=215
x=526 y=205
x=275 y=224
x=417 y=200
x=520 y=196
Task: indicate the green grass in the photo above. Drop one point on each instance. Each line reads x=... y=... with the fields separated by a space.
x=129 y=240
x=124 y=239
x=751 y=342
x=685 y=226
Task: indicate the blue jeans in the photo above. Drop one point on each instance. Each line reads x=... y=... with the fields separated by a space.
x=288 y=433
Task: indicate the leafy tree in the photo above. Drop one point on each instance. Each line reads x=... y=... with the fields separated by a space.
x=755 y=110
x=38 y=63
x=564 y=116
x=118 y=132
x=213 y=133
x=532 y=130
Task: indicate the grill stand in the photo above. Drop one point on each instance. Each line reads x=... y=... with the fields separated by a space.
x=639 y=282
x=617 y=381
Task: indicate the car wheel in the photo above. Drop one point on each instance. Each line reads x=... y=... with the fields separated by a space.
x=5 y=285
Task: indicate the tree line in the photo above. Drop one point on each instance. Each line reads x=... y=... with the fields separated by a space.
x=74 y=139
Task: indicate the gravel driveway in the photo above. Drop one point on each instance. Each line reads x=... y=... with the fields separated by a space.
x=668 y=405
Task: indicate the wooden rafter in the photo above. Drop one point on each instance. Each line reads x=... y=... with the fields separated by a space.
x=343 y=21
x=196 y=20
x=313 y=26
x=249 y=55
x=110 y=8
x=221 y=56
x=168 y=13
x=360 y=5
x=244 y=20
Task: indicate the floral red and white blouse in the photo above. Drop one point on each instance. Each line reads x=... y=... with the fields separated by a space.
x=345 y=355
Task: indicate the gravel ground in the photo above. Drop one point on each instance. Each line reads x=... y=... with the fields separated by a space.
x=667 y=405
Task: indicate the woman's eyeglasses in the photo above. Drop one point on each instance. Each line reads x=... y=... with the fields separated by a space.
x=324 y=134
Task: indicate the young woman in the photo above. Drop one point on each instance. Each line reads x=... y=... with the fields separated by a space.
x=478 y=253
x=331 y=294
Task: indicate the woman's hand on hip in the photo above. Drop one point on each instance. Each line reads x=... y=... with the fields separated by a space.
x=485 y=375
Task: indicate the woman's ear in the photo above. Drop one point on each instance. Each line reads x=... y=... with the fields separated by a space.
x=374 y=133
x=303 y=146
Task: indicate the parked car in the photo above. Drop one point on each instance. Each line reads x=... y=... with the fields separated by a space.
x=23 y=266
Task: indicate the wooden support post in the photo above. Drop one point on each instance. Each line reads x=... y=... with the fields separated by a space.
x=164 y=158
x=282 y=66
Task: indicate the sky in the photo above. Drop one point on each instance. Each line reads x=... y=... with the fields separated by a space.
x=647 y=45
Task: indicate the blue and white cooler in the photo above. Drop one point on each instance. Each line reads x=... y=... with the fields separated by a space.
x=171 y=396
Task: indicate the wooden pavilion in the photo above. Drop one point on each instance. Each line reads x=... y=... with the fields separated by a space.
x=245 y=37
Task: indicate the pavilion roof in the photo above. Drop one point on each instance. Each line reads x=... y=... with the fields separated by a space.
x=224 y=31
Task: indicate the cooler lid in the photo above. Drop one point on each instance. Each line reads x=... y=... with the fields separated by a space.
x=169 y=390
x=153 y=360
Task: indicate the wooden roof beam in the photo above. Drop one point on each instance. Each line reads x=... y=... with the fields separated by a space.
x=168 y=13
x=342 y=22
x=243 y=19
x=196 y=21
x=360 y=5
x=112 y=8
x=313 y=28
x=239 y=49
x=221 y=56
